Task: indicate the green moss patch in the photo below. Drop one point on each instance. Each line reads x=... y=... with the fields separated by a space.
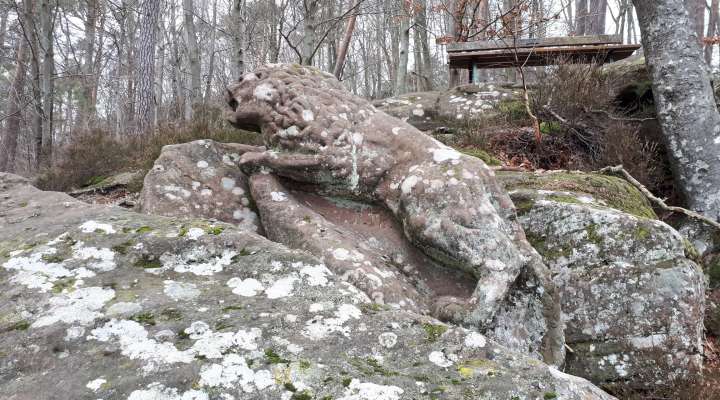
x=433 y=332
x=615 y=192
x=481 y=154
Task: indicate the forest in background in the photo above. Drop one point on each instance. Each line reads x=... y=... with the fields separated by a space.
x=127 y=68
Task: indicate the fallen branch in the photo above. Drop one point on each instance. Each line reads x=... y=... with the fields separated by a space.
x=659 y=202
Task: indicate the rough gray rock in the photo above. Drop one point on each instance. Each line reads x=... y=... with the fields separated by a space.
x=98 y=302
x=432 y=110
x=633 y=304
x=200 y=179
x=449 y=205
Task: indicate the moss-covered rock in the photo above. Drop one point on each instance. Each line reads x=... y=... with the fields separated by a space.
x=604 y=190
x=628 y=289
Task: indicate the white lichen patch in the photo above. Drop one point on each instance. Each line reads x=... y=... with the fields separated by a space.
x=308 y=116
x=96 y=384
x=74 y=332
x=35 y=273
x=320 y=327
x=357 y=390
x=475 y=340
x=228 y=183
x=315 y=275
x=198 y=261
x=181 y=290
x=135 y=344
x=213 y=345
x=278 y=196
x=234 y=372
x=81 y=306
x=438 y=358
x=202 y=164
x=124 y=309
x=344 y=255
x=283 y=287
x=194 y=233
x=264 y=92
x=388 y=339
x=409 y=183
x=93 y=226
x=157 y=391
x=245 y=287
x=445 y=154
x=104 y=256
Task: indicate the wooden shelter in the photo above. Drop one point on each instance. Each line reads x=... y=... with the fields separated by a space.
x=466 y=58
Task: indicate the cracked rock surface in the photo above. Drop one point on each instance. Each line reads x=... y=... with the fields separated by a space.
x=102 y=303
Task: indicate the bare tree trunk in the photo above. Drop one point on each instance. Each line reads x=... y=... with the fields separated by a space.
x=696 y=11
x=421 y=28
x=401 y=76
x=309 y=40
x=211 y=64
x=193 y=56
x=598 y=14
x=684 y=101
x=145 y=72
x=342 y=52
x=4 y=12
x=8 y=140
x=712 y=28
x=47 y=81
x=581 y=17
x=88 y=98
x=238 y=38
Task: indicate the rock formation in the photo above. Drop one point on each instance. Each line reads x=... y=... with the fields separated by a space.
x=99 y=302
x=449 y=205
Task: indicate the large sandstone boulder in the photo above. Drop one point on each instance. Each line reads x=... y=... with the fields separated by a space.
x=627 y=290
x=632 y=302
x=98 y=302
x=200 y=179
x=436 y=109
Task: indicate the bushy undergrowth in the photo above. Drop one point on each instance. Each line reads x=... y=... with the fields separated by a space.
x=94 y=155
x=583 y=126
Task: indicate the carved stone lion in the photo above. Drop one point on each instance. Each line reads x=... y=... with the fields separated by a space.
x=449 y=205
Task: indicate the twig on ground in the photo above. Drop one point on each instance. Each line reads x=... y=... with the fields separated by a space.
x=658 y=201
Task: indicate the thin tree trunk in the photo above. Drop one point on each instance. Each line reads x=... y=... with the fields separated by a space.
x=342 y=53
x=401 y=76
x=145 y=72
x=193 y=56
x=238 y=38
x=684 y=101
x=711 y=29
x=8 y=140
x=598 y=14
x=88 y=100
x=696 y=11
x=309 y=40
x=422 y=29
x=211 y=64
x=581 y=17
x=47 y=82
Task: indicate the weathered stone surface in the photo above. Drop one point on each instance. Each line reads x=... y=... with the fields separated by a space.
x=432 y=110
x=449 y=205
x=98 y=302
x=632 y=302
x=200 y=179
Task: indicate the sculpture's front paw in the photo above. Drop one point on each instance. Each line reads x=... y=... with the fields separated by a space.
x=253 y=162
